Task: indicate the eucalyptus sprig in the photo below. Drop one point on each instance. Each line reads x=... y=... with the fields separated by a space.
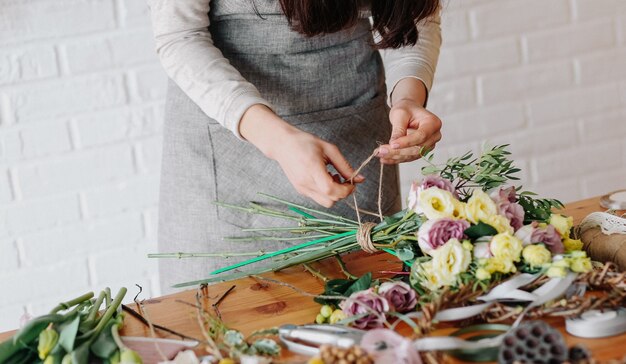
x=491 y=169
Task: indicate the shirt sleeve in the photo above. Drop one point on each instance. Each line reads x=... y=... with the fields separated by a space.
x=418 y=61
x=189 y=57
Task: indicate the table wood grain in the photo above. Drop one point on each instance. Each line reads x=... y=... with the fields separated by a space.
x=255 y=304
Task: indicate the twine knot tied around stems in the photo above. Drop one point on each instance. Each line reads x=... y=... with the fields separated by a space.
x=364 y=238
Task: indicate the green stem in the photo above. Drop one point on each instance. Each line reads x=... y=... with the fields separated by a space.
x=96 y=307
x=116 y=337
x=295 y=229
x=341 y=218
x=205 y=255
x=344 y=269
x=71 y=303
x=273 y=238
x=316 y=273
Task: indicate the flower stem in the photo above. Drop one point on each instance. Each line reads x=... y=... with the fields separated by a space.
x=71 y=303
x=341 y=218
x=205 y=255
x=344 y=269
x=316 y=273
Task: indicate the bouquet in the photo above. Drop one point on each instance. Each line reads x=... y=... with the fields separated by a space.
x=463 y=224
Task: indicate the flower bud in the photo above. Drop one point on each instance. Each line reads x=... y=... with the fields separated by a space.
x=482 y=274
x=320 y=319
x=337 y=316
x=326 y=311
x=48 y=339
x=130 y=357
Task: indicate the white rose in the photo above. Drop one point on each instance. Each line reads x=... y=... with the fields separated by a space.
x=450 y=260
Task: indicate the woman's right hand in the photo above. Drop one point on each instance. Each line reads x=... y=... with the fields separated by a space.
x=303 y=157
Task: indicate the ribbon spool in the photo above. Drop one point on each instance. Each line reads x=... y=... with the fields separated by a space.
x=596 y=324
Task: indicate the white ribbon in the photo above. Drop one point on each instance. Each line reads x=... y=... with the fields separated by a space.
x=595 y=324
x=506 y=291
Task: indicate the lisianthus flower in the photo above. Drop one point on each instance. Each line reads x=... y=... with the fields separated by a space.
x=536 y=255
x=427 y=182
x=480 y=207
x=481 y=250
x=506 y=201
x=435 y=203
x=549 y=236
x=579 y=262
x=500 y=223
x=450 y=260
x=400 y=295
x=506 y=246
x=368 y=303
x=496 y=264
x=430 y=279
x=435 y=233
x=525 y=233
x=563 y=224
x=571 y=245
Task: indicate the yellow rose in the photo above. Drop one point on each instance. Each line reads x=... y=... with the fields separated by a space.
x=572 y=245
x=480 y=206
x=563 y=224
x=450 y=260
x=482 y=274
x=536 y=255
x=501 y=265
x=506 y=246
x=435 y=203
x=556 y=272
x=500 y=223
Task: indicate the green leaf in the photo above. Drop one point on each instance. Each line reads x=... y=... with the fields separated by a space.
x=104 y=346
x=344 y=287
x=405 y=253
x=67 y=333
x=479 y=230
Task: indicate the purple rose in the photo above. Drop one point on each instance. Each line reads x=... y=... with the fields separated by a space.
x=435 y=233
x=368 y=303
x=428 y=182
x=550 y=237
x=506 y=200
x=400 y=295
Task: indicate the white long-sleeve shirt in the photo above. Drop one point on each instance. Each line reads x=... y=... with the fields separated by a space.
x=189 y=57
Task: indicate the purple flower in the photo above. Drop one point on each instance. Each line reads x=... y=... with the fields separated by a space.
x=400 y=295
x=435 y=233
x=506 y=200
x=550 y=237
x=428 y=182
x=439 y=182
x=366 y=303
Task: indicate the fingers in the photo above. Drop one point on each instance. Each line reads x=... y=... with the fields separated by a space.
x=426 y=129
x=399 y=119
x=340 y=163
x=394 y=156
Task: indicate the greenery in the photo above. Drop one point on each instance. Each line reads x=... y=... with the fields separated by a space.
x=73 y=332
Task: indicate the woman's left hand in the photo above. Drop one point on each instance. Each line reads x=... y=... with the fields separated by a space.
x=414 y=131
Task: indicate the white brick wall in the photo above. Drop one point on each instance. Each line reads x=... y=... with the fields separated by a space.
x=81 y=98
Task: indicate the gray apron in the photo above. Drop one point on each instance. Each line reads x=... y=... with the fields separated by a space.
x=331 y=86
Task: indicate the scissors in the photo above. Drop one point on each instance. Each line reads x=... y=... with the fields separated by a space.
x=306 y=339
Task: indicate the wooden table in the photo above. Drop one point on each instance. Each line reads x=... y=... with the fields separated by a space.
x=254 y=304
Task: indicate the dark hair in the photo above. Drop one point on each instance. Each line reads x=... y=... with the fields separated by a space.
x=394 y=20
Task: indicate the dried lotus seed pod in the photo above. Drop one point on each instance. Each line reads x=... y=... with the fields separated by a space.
x=533 y=342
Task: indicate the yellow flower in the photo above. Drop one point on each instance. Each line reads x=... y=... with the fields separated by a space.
x=536 y=255
x=435 y=203
x=501 y=265
x=459 y=209
x=563 y=224
x=500 y=223
x=556 y=272
x=506 y=246
x=429 y=279
x=467 y=245
x=572 y=244
x=482 y=274
x=337 y=316
x=450 y=260
x=480 y=206
x=580 y=265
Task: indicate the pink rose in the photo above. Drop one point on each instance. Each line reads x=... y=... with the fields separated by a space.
x=435 y=233
x=481 y=250
x=506 y=200
x=550 y=237
x=400 y=295
x=366 y=303
x=428 y=182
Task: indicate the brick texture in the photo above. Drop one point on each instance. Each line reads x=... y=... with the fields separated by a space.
x=81 y=107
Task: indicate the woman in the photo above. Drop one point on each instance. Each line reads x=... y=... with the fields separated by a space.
x=265 y=95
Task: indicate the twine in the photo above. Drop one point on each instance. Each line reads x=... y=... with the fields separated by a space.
x=363 y=235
